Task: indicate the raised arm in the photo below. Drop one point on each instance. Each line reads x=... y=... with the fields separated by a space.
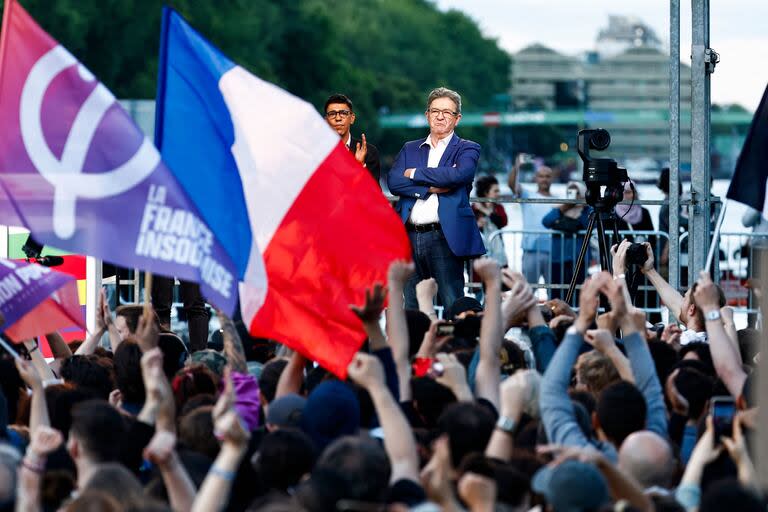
x=44 y=440
x=725 y=355
x=516 y=391
x=556 y=408
x=159 y=406
x=105 y=316
x=632 y=324
x=38 y=414
x=488 y=374
x=161 y=449
x=669 y=296
x=603 y=341
x=397 y=328
x=520 y=303
x=399 y=443
x=622 y=486
x=214 y=492
x=38 y=361
x=426 y=290
x=233 y=346
x=370 y=314
x=688 y=493
x=103 y=321
x=514 y=174
x=737 y=449
x=292 y=376
x=59 y=347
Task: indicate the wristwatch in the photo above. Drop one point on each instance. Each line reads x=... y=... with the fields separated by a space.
x=505 y=424
x=712 y=315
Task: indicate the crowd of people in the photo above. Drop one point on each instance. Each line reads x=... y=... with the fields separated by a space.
x=563 y=415
x=505 y=404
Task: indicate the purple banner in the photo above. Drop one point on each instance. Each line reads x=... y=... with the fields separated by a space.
x=23 y=286
x=83 y=178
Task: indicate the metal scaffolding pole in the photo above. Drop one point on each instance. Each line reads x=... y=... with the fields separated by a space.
x=702 y=65
x=674 y=143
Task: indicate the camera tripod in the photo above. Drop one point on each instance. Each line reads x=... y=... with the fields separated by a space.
x=599 y=216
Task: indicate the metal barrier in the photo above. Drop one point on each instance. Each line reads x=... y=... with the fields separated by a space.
x=738 y=267
x=733 y=267
x=557 y=264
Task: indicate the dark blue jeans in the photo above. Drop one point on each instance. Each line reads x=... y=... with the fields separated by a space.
x=433 y=258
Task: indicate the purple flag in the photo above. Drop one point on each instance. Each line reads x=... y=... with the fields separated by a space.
x=82 y=177
x=36 y=300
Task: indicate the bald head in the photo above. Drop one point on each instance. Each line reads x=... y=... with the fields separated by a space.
x=648 y=458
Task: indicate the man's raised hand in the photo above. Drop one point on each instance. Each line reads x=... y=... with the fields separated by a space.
x=589 y=299
x=103 y=313
x=147 y=331
x=399 y=272
x=706 y=295
x=601 y=339
x=366 y=371
x=375 y=298
x=619 y=253
x=517 y=303
x=45 y=440
x=361 y=150
x=488 y=270
x=648 y=265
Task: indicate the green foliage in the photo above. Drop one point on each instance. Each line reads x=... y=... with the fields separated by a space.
x=386 y=55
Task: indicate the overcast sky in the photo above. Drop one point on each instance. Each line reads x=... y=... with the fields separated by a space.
x=738 y=32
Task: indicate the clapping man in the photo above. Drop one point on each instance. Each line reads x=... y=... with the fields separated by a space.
x=340 y=115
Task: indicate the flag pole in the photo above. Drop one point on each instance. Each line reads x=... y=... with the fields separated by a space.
x=147 y=291
x=715 y=238
x=7 y=6
x=10 y=349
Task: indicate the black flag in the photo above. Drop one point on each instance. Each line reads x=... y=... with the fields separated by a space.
x=749 y=178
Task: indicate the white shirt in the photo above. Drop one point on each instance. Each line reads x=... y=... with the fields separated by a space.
x=691 y=336
x=425 y=210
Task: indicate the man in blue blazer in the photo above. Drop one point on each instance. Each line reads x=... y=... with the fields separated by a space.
x=433 y=178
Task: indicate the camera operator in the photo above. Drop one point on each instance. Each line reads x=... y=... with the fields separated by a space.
x=633 y=217
x=683 y=307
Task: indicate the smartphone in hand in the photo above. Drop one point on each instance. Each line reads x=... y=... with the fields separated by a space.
x=722 y=409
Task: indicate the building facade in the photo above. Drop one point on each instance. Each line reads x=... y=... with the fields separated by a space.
x=628 y=73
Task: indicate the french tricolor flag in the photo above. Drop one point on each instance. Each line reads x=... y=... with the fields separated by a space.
x=310 y=228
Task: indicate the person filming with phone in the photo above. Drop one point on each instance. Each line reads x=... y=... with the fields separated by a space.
x=536 y=247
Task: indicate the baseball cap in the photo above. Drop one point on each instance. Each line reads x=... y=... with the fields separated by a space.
x=461 y=305
x=572 y=486
x=286 y=410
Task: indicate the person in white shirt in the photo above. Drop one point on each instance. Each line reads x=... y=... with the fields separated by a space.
x=536 y=248
x=433 y=177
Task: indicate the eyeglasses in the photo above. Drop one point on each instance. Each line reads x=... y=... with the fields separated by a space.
x=333 y=113
x=446 y=113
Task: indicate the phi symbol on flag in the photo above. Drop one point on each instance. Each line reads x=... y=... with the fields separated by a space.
x=66 y=174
